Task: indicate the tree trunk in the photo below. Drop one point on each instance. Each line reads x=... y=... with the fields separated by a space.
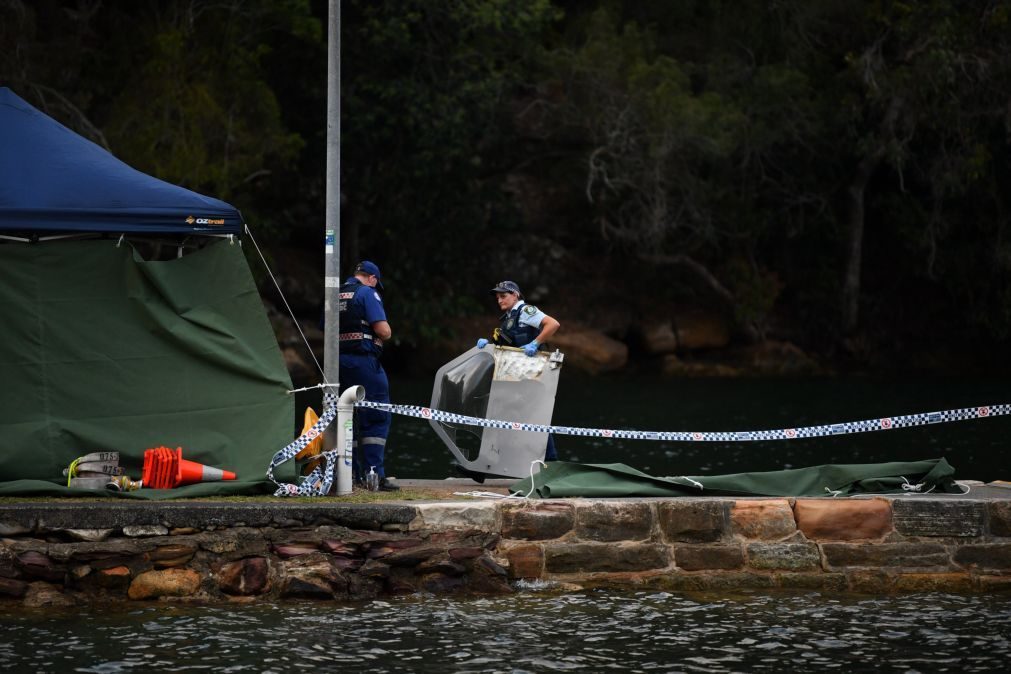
x=855 y=218
x=745 y=329
x=854 y=243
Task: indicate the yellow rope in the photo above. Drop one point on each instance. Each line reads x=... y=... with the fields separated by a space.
x=71 y=471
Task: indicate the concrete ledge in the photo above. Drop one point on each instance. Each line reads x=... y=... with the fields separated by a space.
x=66 y=554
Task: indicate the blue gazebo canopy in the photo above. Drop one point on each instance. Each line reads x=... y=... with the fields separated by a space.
x=52 y=179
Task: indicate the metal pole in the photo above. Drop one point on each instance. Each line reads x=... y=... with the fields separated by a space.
x=331 y=324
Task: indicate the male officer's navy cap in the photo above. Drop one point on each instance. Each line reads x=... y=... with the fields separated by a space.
x=370 y=268
x=506 y=287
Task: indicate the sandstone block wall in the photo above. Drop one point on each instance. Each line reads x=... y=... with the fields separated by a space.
x=67 y=554
x=864 y=544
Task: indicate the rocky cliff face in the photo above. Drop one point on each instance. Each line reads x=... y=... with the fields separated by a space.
x=603 y=330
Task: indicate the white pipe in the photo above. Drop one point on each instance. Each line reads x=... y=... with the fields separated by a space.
x=345 y=438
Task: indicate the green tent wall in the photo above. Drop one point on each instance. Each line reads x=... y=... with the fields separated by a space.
x=101 y=350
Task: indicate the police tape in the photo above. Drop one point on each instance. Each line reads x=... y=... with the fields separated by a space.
x=319 y=481
x=868 y=425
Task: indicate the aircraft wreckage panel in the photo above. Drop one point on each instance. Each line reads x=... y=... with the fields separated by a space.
x=504 y=384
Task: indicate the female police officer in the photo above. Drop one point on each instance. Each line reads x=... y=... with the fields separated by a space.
x=523 y=326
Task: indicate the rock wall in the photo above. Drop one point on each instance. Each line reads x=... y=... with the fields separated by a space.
x=867 y=545
x=61 y=554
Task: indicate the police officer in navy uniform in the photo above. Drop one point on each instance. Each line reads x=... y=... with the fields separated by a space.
x=363 y=329
x=522 y=326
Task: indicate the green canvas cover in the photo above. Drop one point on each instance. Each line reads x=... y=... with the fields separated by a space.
x=560 y=479
x=103 y=351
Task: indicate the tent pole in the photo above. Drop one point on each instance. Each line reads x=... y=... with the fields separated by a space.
x=331 y=328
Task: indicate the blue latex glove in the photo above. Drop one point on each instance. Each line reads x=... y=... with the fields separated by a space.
x=481 y=343
x=531 y=348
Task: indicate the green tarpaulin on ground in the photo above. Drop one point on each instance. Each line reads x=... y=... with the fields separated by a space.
x=559 y=479
x=101 y=350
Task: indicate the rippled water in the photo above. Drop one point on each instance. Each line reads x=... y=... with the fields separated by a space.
x=532 y=631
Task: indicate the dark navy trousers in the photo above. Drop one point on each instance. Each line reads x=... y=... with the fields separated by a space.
x=550 y=453
x=371 y=426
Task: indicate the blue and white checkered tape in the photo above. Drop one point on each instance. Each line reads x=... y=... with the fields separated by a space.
x=867 y=425
x=319 y=481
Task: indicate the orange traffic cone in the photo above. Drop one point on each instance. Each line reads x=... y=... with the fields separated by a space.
x=308 y=457
x=165 y=468
x=191 y=471
x=157 y=472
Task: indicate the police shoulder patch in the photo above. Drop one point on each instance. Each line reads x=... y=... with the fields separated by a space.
x=530 y=309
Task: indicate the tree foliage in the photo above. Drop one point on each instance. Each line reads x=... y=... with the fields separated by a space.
x=178 y=88
x=828 y=171
x=787 y=145
x=427 y=89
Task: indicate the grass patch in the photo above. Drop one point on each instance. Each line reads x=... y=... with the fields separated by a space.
x=357 y=496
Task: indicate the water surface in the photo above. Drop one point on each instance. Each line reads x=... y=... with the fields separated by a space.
x=528 y=632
